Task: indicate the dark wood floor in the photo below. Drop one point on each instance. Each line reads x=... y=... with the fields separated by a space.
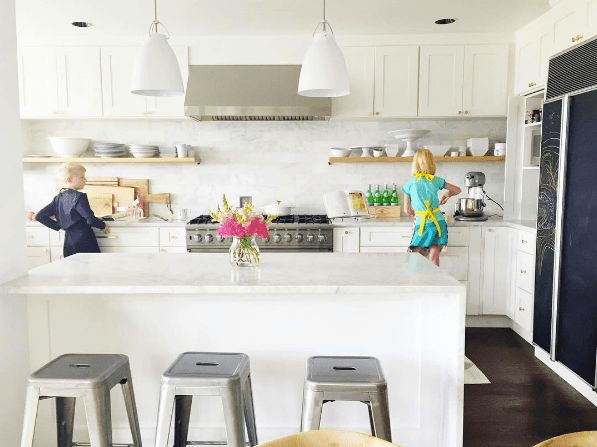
x=525 y=403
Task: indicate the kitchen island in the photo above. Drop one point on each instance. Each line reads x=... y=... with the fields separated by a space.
x=398 y=307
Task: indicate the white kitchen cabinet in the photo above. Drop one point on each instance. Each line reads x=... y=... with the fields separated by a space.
x=466 y=80
x=38 y=236
x=524 y=283
x=118 y=101
x=37 y=256
x=60 y=82
x=172 y=240
x=497 y=255
x=533 y=48
x=346 y=240
x=128 y=237
x=568 y=24
x=38 y=246
x=384 y=239
x=383 y=82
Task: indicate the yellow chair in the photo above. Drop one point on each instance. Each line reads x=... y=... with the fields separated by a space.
x=580 y=439
x=328 y=438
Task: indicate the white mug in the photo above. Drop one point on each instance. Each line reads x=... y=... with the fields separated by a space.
x=182 y=213
x=182 y=150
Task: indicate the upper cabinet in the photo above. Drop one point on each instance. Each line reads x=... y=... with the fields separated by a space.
x=60 y=82
x=117 y=69
x=383 y=82
x=466 y=80
x=533 y=48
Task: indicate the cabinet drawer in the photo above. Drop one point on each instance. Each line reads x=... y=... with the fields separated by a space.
x=525 y=271
x=173 y=249
x=454 y=260
x=385 y=237
x=37 y=256
x=524 y=309
x=172 y=237
x=526 y=241
x=458 y=237
x=384 y=249
x=128 y=237
x=37 y=237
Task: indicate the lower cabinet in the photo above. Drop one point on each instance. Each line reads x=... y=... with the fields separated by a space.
x=524 y=282
x=347 y=240
x=173 y=240
x=495 y=289
x=37 y=256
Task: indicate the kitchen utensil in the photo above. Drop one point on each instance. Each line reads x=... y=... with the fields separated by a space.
x=340 y=152
x=277 y=209
x=69 y=147
x=182 y=213
x=408 y=135
x=469 y=207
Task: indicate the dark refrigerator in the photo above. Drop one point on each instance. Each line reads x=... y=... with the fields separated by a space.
x=565 y=315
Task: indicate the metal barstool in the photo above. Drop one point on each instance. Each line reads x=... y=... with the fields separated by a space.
x=207 y=374
x=88 y=376
x=346 y=379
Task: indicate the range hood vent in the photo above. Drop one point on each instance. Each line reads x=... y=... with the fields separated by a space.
x=250 y=93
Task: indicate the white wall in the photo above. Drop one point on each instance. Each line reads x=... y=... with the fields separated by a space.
x=270 y=161
x=14 y=354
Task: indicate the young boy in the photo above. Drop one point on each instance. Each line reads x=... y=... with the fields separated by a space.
x=71 y=212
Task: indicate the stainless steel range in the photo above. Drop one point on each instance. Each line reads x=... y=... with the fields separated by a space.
x=292 y=233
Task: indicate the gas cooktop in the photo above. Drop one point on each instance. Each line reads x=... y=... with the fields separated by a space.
x=317 y=219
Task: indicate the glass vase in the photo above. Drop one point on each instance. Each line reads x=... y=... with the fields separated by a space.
x=244 y=251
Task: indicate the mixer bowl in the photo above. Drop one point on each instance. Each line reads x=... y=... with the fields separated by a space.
x=468 y=207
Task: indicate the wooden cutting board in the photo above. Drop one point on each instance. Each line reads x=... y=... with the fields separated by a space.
x=101 y=204
x=120 y=196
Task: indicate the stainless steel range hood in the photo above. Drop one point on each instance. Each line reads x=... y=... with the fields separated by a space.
x=250 y=93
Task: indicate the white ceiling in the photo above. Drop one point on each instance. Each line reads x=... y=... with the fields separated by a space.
x=37 y=18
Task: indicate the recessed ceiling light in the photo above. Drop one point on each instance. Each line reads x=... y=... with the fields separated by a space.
x=82 y=24
x=444 y=21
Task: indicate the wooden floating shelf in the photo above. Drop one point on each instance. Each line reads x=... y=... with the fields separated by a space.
x=468 y=159
x=111 y=160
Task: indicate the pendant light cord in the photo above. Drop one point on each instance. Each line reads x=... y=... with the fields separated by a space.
x=154 y=25
x=323 y=22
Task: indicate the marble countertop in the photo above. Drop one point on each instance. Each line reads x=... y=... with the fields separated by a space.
x=144 y=222
x=206 y=273
x=407 y=221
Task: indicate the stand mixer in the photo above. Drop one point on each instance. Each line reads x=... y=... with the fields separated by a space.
x=471 y=208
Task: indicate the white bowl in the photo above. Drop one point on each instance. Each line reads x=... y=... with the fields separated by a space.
x=438 y=150
x=69 y=147
x=340 y=152
x=408 y=134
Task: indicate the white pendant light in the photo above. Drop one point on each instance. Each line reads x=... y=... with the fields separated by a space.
x=156 y=71
x=323 y=73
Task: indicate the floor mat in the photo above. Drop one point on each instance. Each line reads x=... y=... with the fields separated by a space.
x=472 y=374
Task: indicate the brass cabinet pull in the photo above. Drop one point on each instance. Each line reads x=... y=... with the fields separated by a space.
x=370 y=113
x=523 y=271
x=489 y=230
x=405 y=236
x=45 y=250
x=532 y=84
x=172 y=236
x=30 y=236
x=523 y=241
x=377 y=113
x=460 y=112
x=521 y=308
x=466 y=112
x=163 y=250
x=346 y=232
x=577 y=38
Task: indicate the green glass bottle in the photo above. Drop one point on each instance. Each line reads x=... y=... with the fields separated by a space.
x=394 y=200
x=385 y=201
x=377 y=197
x=369 y=195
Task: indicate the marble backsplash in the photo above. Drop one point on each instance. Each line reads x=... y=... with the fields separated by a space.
x=269 y=161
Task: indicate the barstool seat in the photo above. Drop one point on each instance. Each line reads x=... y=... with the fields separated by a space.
x=87 y=376
x=207 y=374
x=331 y=378
x=578 y=439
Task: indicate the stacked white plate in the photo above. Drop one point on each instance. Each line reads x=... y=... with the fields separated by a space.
x=168 y=152
x=144 y=150
x=109 y=149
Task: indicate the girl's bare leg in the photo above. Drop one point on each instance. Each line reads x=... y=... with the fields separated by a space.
x=434 y=251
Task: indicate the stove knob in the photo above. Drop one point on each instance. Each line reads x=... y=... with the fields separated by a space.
x=266 y=239
x=321 y=238
x=277 y=238
x=197 y=237
x=310 y=237
x=219 y=238
x=209 y=238
x=299 y=237
x=287 y=237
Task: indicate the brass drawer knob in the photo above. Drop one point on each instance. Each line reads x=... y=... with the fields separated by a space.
x=523 y=241
x=532 y=84
x=346 y=232
x=172 y=236
x=377 y=113
x=521 y=308
x=466 y=112
x=523 y=271
x=163 y=250
x=460 y=112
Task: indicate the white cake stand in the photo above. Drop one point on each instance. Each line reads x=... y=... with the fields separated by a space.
x=408 y=135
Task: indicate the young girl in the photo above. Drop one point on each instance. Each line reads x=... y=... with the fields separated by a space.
x=430 y=232
x=71 y=212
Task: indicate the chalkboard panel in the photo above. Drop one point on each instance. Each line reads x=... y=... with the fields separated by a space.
x=546 y=222
x=577 y=308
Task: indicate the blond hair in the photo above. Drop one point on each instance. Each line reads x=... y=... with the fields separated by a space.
x=66 y=171
x=423 y=162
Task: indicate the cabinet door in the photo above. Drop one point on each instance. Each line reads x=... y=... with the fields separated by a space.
x=524 y=309
x=396 y=81
x=440 y=83
x=172 y=106
x=79 y=81
x=532 y=58
x=496 y=271
x=485 y=87
x=37 y=256
x=567 y=25
x=360 y=65
x=346 y=240
x=525 y=271
x=172 y=237
x=454 y=260
x=117 y=70
x=38 y=236
x=128 y=237
x=591 y=14
x=38 y=82
x=385 y=237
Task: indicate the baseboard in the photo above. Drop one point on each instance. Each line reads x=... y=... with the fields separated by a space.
x=573 y=380
x=488 y=321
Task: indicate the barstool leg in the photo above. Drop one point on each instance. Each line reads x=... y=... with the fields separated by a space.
x=233 y=416
x=97 y=409
x=165 y=410
x=131 y=408
x=65 y=418
x=250 y=412
x=312 y=406
x=381 y=416
x=31 y=403
x=182 y=415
